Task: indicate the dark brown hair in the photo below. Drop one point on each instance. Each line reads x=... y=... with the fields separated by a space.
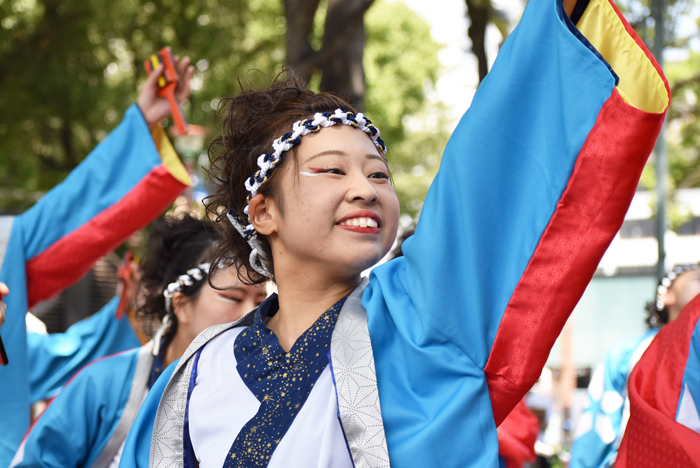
x=175 y=246
x=250 y=123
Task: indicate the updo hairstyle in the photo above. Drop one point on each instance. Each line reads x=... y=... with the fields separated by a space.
x=250 y=123
x=175 y=246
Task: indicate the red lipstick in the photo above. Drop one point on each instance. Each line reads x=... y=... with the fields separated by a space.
x=361 y=214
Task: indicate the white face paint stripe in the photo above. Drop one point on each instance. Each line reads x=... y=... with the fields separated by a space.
x=225 y=299
x=308 y=174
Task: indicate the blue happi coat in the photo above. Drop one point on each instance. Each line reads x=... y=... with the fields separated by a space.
x=436 y=348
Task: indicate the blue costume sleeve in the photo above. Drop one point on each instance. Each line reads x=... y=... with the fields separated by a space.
x=55 y=358
x=127 y=181
x=137 y=448
x=533 y=186
x=77 y=424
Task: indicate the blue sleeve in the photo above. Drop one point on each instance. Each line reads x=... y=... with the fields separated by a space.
x=125 y=183
x=77 y=424
x=55 y=358
x=137 y=448
x=502 y=174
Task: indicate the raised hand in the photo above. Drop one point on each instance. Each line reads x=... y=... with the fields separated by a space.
x=154 y=107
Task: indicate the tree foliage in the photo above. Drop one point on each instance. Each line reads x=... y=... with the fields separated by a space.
x=68 y=71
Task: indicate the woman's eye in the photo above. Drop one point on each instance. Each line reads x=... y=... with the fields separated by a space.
x=229 y=299
x=379 y=175
x=326 y=170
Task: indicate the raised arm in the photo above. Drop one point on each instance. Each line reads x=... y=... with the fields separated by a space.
x=127 y=181
x=533 y=186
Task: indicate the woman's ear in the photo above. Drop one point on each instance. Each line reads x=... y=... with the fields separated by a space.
x=670 y=298
x=182 y=308
x=264 y=214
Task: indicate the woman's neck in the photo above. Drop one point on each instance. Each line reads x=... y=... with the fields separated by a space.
x=302 y=300
x=176 y=348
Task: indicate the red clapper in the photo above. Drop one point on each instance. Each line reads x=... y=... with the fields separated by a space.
x=167 y=83
x=3 y=355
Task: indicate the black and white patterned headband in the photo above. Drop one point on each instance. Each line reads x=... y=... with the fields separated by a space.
x=269 y=161
x=667 y=281
x=193 y=275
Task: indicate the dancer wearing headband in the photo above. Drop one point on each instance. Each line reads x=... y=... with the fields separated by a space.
x=417 y=365
x=128 y=180
x=601 y=426
x=664 y=396
x=87 y=423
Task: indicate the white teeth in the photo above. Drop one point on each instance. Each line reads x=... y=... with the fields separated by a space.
x=360 y=222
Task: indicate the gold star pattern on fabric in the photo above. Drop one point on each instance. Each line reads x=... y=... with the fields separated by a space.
x=280 y=380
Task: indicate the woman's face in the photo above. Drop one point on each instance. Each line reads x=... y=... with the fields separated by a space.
x=215 y=306
x=337 y=210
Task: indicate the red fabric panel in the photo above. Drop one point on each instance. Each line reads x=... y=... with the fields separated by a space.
x=71 y=257
x=517 y=436
x=653 y=438
x=589 y=213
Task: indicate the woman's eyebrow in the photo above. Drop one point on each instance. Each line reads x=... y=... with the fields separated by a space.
x=337 y=152
x=326 y=153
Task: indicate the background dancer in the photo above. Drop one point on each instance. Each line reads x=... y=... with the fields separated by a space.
x=127 y=181
x=85 y=426
x=664 y=391
x=602 y=424
x=55 y=358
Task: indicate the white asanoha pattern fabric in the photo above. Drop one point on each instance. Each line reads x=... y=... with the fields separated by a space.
x=166 y=443
x=356 y=383
x=355 y=378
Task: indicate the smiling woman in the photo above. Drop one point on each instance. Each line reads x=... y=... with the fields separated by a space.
x=418 y=364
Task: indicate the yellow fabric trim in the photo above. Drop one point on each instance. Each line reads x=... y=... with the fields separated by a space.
x=640 y=84
x=170 y=159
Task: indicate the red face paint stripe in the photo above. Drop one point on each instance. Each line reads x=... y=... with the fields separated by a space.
x=589 y=214
x=71 y=257
x=654 y=390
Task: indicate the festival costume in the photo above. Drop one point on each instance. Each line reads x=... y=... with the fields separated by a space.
x=435 y=349
x=87 y=423
x=517 y=435
x=55 y=358
x=602 y=424
x=664 y=392
x=127 y=181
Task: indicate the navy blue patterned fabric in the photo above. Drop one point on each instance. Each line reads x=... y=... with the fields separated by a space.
x=158 y=364
x=281 y=381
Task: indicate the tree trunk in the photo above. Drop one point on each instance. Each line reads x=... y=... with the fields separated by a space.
x=343 y=48
x=479 y=12
x=301 y=57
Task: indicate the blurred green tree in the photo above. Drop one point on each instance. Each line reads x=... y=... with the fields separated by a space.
x=682 y=131
x=68 y=70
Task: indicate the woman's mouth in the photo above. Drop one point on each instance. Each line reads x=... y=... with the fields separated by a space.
x=366 y=222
